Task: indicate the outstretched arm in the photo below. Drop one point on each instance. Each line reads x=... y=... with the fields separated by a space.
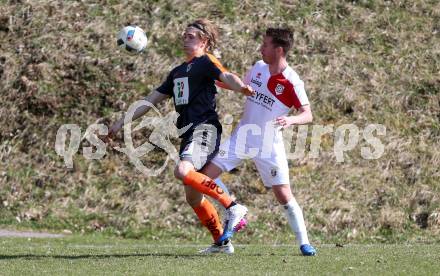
x=154 y=97
x=222 y=85
x=232 y=82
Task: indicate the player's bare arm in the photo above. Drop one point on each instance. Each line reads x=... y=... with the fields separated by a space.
x=233 y=82
x=304 y=117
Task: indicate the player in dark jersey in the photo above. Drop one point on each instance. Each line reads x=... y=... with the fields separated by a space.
x=192 y=87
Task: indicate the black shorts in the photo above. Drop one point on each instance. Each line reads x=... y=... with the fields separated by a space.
x=200 y=145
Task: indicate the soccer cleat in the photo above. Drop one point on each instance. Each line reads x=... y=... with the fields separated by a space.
x=234 y=221
x=241 y=225
x=307 y=250
x=215 y=248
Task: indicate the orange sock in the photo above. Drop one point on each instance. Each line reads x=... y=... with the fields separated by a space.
x=208 y=215
x=207 y=186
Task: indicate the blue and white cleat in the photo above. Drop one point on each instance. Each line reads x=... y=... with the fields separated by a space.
x=234 y=221
x=307 y=250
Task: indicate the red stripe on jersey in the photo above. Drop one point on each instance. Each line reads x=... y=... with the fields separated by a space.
x=283 y=90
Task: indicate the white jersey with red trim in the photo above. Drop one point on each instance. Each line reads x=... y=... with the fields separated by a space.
x=274 y=97
x=256 y=136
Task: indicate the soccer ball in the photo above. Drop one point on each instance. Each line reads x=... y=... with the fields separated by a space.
x=132 y=38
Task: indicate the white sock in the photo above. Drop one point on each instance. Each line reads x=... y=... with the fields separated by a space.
x=296 y=221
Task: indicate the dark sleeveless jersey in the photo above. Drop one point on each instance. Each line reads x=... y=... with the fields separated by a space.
x=192 y=86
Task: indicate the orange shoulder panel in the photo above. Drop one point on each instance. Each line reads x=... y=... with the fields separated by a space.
x=217 y=63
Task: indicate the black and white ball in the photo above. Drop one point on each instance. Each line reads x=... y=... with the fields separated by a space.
x=133 y=39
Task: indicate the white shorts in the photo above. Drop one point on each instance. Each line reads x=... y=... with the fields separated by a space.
x=272 y=167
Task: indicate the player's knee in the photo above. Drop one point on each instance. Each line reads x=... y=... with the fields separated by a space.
x=282 y=193
x=176 y=172
x=182 y=169
x=179 y=172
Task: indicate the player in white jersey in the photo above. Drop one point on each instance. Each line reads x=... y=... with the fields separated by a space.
x=278 y=90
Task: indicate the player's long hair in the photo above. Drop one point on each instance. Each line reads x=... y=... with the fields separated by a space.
x=206 y=30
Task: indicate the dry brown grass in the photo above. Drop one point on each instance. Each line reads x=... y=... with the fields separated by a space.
x=362 y=62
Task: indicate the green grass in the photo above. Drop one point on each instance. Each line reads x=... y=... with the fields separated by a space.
x=93 y=255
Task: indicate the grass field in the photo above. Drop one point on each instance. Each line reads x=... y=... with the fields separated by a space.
x=94 y=255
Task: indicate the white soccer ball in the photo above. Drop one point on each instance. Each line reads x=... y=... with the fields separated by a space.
x=132 y=38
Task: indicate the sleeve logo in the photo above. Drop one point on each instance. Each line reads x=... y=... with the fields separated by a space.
x=279 y=89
